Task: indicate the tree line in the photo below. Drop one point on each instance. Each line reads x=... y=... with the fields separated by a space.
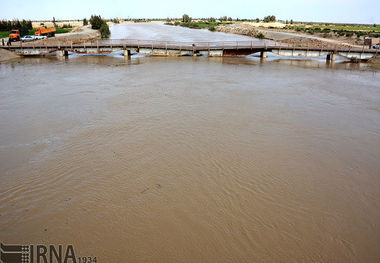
x=24 y=25
x=187 y=19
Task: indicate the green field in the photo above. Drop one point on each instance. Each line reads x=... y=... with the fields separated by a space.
x=4 y=34
x=62 y=30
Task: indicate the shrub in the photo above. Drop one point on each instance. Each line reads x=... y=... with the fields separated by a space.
x=85 y=22
x=349 y=34
x=341 y=33
x=211 y=28
x=260 y=36
x=104 y=30
x=326 y=35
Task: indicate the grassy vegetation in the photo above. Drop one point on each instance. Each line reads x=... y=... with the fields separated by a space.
x=198 y=24
x=62 y=30
x=338 y=30
x=4 y=34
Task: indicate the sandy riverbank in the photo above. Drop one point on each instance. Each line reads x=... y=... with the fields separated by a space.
x=7 y=55
x=79 y=34
x=283 y=36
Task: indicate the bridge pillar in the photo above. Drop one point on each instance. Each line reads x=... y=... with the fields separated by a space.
x=127 y=53
x=63 y=53
x=263 y=54
x=330 y=57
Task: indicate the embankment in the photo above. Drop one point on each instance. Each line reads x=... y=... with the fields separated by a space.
x=7 y=55
x=282 y=37
x=240 y=29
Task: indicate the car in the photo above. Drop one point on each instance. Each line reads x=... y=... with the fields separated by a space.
x=38 y=37
x=376 y=46
x=27 y=38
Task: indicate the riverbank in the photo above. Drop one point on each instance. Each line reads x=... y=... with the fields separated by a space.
x=7 y=55
x=78 y=35
x=280 y=33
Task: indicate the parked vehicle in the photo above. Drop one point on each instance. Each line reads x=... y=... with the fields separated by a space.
x=14 y=35
x=376 y=46
x=27 y=38
x=37 y=37
x=42 y=31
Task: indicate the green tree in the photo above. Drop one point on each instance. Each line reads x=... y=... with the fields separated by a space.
x=268 y=19
x=104 y=30
x=54 y=22
x=186 y=18
x=96 y=22
x=85 y=22
x=211 y=19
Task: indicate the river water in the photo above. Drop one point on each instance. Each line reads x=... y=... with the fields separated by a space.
x=191 y=159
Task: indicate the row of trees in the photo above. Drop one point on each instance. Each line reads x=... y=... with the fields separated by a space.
x=187 y=19
x=24 y=26
x=97 y=22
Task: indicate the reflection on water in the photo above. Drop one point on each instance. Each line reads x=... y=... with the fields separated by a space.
x=191 y=159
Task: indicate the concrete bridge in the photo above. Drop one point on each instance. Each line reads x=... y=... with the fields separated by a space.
x=160 y=48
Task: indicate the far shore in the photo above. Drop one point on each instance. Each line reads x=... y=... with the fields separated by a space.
x=274 y=31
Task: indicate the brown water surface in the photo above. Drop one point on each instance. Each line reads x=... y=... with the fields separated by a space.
x=192 y=159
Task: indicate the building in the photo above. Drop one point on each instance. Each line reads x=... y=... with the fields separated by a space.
x=371 y=41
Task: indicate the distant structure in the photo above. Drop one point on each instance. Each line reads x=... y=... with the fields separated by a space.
x=371 y=41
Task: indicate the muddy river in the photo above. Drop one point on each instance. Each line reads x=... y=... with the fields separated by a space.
x=191 y=159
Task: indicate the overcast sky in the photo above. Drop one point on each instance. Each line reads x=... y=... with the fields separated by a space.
x=349 y=11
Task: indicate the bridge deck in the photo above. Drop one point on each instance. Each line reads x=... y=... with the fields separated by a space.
x=227 y=47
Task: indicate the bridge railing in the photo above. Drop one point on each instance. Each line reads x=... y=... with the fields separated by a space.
x=188 y=45
x=54 y=42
